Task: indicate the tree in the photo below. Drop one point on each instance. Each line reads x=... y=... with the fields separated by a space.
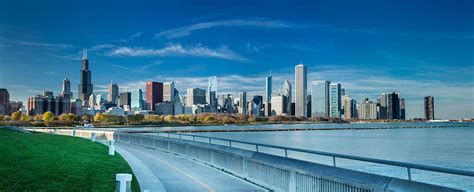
x=16 y=116
x=25 y=117
x=48 y=116
x=98 y=117
x=38 y=117
x=67 y=117
x=86 y=118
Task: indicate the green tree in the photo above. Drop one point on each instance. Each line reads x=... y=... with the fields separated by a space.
x=16 y=116
x=48 y=116
x=67 y=117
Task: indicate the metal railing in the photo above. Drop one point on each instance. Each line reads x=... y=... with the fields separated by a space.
x=408 y=166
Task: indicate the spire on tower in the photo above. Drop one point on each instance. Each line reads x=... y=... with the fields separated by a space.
x=84 y=54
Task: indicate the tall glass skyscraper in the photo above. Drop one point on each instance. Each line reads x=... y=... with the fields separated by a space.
x=335 y=100
x=137 y=99
x=300 y=90
x=212 y=93
x=320 y=98
x=268 y=95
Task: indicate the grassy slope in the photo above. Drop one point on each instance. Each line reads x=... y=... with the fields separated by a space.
x=59 y=163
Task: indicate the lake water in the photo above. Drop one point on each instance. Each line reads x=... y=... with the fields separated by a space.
x=451 y=147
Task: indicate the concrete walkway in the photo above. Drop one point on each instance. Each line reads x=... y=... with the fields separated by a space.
x=160 y=171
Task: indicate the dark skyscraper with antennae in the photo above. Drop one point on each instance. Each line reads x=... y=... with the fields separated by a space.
x=85 y=84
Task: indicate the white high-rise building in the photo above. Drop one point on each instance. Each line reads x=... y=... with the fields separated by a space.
x=300 y=90
x=168 y=92
x=268 y=95
x=278 y=105
x=286 y=91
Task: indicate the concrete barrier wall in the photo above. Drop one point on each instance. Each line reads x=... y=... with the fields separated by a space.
x=275 y=172
x=104 y=135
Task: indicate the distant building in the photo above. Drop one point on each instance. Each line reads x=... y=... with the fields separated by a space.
x=125 y=99
x=164 y=108
x=168 y=91
x=383 y=106
x=15 y=106
x=154 y=94
x=92 y=100
x=195 y=96
x=137 y=100
x=367 y=110
x=4 y=102
x=335 y=100
x=278 y=105
x=115 y=111
x=228 y=106
x=66 y=94
x=300 y=90
x=47 y=102
x=211 y=96
x=113 y=95
x=286 y=91
x=178 y=108
x=402 y=109
x=393 y=106
x=268 y=95
x=320 y=98
x=349 y=107
x=243 y=103
x=85 y=88
x=256 y=106
x=429 y=108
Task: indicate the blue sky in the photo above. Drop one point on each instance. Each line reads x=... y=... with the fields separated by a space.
x=417 y=48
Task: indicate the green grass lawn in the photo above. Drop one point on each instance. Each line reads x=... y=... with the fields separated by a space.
x=43 y=162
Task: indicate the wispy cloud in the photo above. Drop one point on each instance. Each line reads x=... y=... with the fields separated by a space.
x=41 y=44
x=68 y=57
x=121 y=67
x=179 y=50
x=101 y=47
x=187 y=30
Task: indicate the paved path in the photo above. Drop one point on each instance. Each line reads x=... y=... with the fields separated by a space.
x=160 y=171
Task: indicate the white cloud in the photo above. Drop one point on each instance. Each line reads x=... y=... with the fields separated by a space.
x=41 y=44
x=187 y=30
x=179 y=50
x=100 y=47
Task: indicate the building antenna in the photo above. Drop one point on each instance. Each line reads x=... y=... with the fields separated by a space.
x=84 y=54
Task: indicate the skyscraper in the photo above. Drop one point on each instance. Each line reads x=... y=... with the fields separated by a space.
x=383 y=106
x=256 y=105
x=212 y=93
x=393 y=106
x=195 y=96
x=268 y=95
x=367 y=109
x=66 y=95
x=125 y=99
x=347 y=102
x=137 y=99
x=85 y=84
x=286 y=91
x=154 y=94
x=4 y=102
x=168 y=92
x=402 y=109
x=278 y=104
x=335 y=100
x=113 y=93
x=429 y=108
x=243 y=102
x=320 y=98
x=300 y=90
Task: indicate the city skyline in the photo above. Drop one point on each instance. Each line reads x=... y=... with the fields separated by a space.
x=181 y=53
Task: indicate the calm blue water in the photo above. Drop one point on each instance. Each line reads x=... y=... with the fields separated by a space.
x=445 y=147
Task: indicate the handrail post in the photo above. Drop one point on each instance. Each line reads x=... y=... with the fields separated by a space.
x=230 y=143
x=194 y=138
x=179 y=136
x=334 y=161
x=209 y=140
x=286 y=153
x=256 y=148
x=168 y=134
x=409 y=173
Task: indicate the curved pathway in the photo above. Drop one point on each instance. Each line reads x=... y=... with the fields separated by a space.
x=161 y=171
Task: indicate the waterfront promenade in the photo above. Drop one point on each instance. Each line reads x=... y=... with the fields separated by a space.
x=161 y=171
